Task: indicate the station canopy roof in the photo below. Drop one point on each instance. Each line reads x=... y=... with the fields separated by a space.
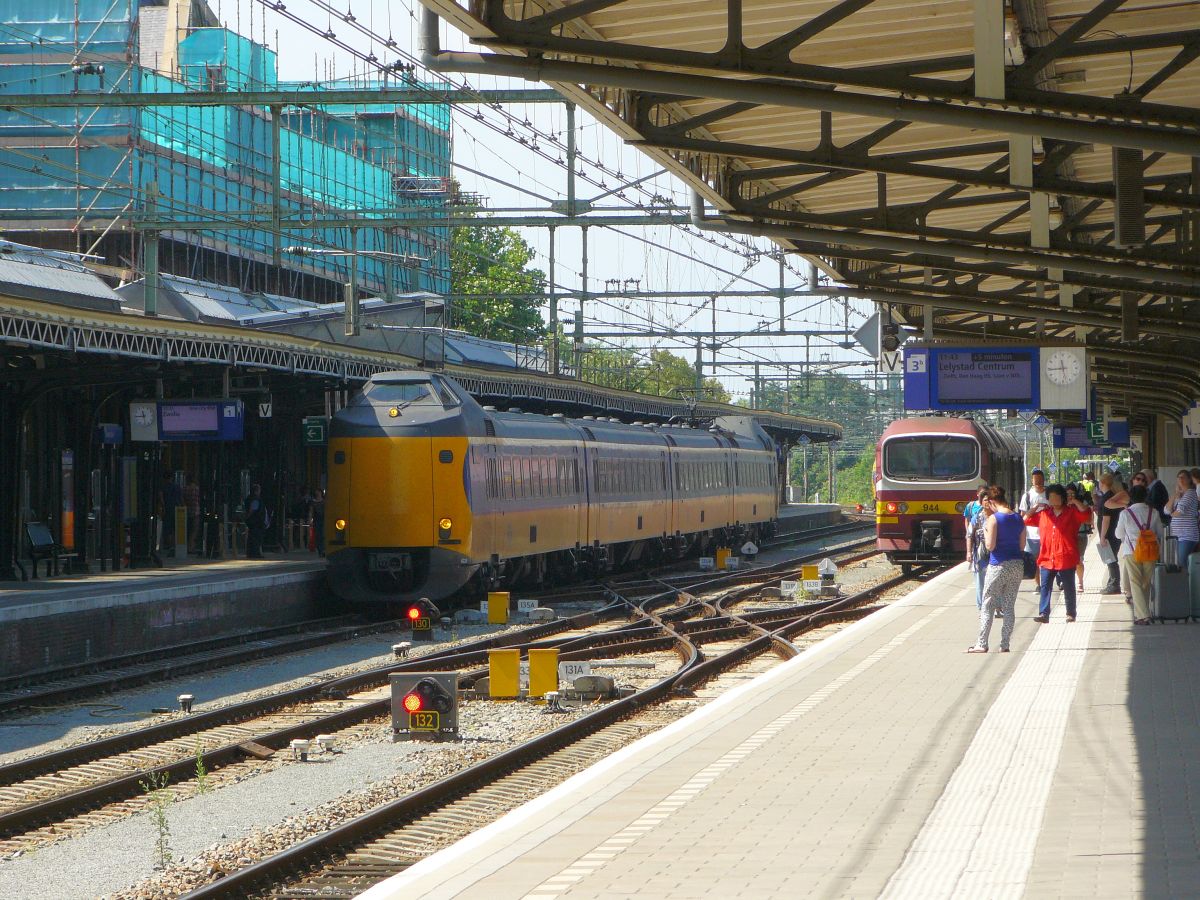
x=37 y=274
x=953 y=155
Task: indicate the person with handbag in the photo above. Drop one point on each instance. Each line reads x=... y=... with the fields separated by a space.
x=1058 y=522
x=1108 y=545
x=1182 y=508
x=1078 y=492
x=1004 y=537
x=1140 y=529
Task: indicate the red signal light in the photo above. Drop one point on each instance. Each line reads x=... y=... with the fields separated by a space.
x=892 y=508
x=413 y=703
x=414 y=612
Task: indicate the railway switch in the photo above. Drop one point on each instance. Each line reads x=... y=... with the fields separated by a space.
x=424 y=705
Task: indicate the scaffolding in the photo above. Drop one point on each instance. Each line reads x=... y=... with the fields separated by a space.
x=76 y=178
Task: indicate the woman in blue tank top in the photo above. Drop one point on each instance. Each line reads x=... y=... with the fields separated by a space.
x=1004 y=536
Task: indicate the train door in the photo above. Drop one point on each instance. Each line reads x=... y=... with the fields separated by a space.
x=587 y=473
x=484 y=498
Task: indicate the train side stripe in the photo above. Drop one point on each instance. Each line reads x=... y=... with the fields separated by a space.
x=921 y=507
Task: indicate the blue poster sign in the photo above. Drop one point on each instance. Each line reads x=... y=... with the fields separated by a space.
x=110 y=434
x=972 y=378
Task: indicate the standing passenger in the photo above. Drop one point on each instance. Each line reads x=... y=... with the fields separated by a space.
x=257 y=521
x=1031 y=500
x=1139 y=516
x=1058 y=523
x=976 y=549
x=1004 y=536
x=1085 y=529
x=1156 y=494
x=1183 y=508
x=1106 y=530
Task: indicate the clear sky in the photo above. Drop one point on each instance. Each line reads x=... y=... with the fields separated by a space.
x=521 y=177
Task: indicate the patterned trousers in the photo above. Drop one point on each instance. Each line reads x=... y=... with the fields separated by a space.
x=1000 y=594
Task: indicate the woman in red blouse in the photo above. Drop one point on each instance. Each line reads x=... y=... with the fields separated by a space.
x=1058 y=522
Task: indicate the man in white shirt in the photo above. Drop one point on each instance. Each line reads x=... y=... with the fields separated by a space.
x=1031 y=500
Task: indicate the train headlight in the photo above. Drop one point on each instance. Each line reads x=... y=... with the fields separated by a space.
x=960 y=507
x=394 y=411
x=340 y=524
x=445 y=524
x=903 y=508
x=892 y=508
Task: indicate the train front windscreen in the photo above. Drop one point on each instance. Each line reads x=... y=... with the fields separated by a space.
x=931 y=458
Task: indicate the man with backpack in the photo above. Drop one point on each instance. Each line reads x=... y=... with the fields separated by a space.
x=1140 y=530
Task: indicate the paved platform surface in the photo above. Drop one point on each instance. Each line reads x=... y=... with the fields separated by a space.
x=808 y=510
x=887 y=762
x=71 y=593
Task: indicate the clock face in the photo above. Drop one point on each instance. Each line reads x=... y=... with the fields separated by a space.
x=1063 y=367
x=144 y=416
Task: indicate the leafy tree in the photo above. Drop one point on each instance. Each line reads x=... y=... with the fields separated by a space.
x=486 y=261
x=659 y=373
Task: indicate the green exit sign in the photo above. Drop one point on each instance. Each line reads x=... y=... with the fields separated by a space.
x=1096 y=432
x=316 y=431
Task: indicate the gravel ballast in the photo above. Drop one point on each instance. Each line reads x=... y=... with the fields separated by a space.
x=110 y=859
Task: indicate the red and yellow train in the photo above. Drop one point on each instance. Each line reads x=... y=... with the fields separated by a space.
x=926 y=472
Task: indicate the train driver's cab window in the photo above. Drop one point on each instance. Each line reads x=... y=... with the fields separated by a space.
x=930 y=458
x=397 y=393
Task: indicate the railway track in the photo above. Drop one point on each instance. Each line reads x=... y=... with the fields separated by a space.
x=68 y=684
x=709 y=638
x=71 y=683
x=42 y=795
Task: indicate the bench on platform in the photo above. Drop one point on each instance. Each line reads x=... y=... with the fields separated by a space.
x=43 y=546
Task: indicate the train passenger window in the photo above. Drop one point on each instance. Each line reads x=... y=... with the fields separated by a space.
x=942 y=457
x=506 y=477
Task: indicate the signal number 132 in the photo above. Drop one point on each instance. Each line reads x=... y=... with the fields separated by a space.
x=424 y=721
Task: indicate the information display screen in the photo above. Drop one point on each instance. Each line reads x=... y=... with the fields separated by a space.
x=988 y=378
x=1071 y=436
x=190 y=418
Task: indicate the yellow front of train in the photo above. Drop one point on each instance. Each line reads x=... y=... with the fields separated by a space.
x=398 y=514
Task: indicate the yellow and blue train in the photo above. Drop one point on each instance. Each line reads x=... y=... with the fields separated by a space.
x=432 y=495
